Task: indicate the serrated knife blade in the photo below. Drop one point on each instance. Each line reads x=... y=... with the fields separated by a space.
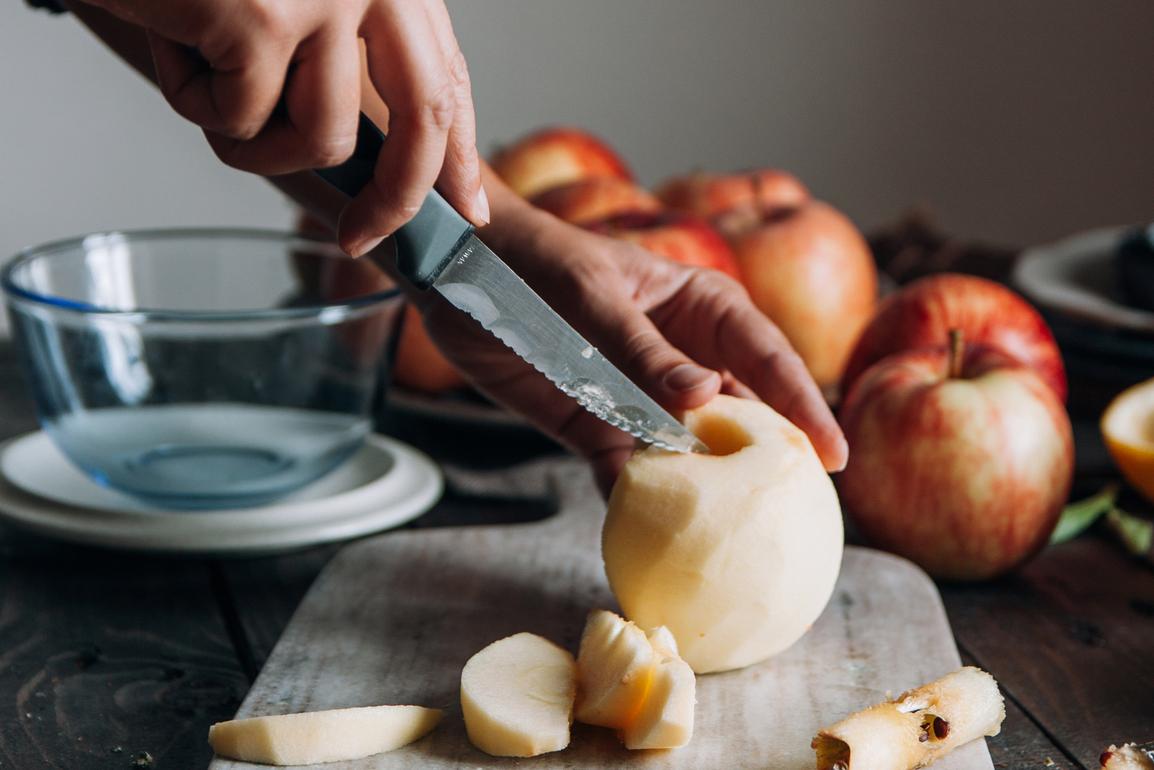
x=479 y=283
x=438 y=249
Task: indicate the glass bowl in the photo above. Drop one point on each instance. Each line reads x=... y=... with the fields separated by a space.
x=200 y=368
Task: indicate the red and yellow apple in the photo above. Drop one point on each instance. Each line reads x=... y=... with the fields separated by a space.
x=555 y=156
x=420 y=364
x=588 y=200
x=961 y=463
x=677 y=237
x=710 y=195
x=811 y=271
x=987 y=313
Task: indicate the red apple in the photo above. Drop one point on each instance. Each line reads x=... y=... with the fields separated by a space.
x=555 y=156
x=987 y=313
x=678 y=237
x=811 y=271
x=587 y=200
x=711 y=195
x=961 y=465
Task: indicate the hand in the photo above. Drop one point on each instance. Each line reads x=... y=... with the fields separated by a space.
x=682 y=334
x=227 y=65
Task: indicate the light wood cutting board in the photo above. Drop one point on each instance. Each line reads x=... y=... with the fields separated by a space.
x=394 y=618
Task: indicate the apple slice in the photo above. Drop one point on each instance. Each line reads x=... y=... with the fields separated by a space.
x=321 y=736
x=614 y=667
x=517 y=696
x=665 y=720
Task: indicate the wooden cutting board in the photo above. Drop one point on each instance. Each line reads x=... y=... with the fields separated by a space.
x=393 y=619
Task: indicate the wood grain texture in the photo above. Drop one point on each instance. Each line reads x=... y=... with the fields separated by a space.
x=1070 y=638
x=104 y=656
x=393 y=619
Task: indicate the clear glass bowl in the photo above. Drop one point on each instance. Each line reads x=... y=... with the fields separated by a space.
x=200 y=368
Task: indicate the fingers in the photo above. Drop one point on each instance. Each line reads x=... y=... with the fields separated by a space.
x=424 y=92
x=460 y=177
x=233 y=97
x=712 y=319
x=615 y=323
x=318 y=126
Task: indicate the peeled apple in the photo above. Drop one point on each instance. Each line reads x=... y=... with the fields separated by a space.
x=665 y=720
x=735 y=552
x=517 y=696
x=614 y=667
x=321 y=736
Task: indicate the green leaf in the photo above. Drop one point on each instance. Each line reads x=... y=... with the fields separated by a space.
x=1077 y=517
x=1136 y=533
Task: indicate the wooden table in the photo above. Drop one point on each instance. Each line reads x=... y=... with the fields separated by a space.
x=116 y=660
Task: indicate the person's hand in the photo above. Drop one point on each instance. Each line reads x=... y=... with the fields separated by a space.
x=682 y=334
x=276 y=86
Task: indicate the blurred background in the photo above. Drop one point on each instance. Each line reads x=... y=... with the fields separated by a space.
x=1012 y=123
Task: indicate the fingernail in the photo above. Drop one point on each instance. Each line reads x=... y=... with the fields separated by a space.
x=686 y=377
x=481 y=205
x=364 y=247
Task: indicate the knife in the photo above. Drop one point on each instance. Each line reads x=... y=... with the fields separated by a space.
x=437 y=249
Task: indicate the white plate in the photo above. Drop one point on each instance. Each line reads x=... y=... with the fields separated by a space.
x=1076 y=277
x=385 y=484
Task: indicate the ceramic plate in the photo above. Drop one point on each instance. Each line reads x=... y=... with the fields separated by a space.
x=385 y=484
x=1075 y=278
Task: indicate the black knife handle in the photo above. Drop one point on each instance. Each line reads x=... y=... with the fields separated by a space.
x=428 y=241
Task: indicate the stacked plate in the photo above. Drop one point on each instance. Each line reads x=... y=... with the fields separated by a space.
x=1107 y=344
x=385 y=484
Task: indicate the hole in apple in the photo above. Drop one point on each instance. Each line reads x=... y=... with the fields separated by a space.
x=722 y=435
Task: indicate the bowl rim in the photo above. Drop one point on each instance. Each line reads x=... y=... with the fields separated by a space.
x=328 y=312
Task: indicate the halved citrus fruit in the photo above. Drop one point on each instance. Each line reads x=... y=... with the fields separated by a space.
x=1128 y=429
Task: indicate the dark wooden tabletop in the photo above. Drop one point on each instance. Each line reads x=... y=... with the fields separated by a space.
x=118 y=660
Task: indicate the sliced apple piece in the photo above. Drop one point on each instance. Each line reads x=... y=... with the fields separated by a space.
x=614 y=666
x=517 y=696
x=665 y=720
x=321 y=736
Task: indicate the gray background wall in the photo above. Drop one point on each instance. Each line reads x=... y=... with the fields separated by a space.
x=1013 y=121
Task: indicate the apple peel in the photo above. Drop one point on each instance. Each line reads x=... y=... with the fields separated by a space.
x=916 y=728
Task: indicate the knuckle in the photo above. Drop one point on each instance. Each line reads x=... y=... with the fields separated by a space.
x=329 y=149
x=459 y=68
x=271 y=19
x=440 y=106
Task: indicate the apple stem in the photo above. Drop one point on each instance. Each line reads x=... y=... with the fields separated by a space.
x=957 y=353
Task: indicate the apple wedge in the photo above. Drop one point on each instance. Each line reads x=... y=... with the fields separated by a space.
x=665 y=720
x=321 y=736
x=517 y=696
x=614 y=667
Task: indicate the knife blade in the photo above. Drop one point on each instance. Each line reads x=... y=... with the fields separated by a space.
x=438 y=250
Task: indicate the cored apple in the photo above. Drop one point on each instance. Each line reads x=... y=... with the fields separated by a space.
x=679 y=237
x=555 y=156
x=987 y=313
x=588 y=200
x=735 y=552
x=712 y=195
x=811 y=272
x=960 y=462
